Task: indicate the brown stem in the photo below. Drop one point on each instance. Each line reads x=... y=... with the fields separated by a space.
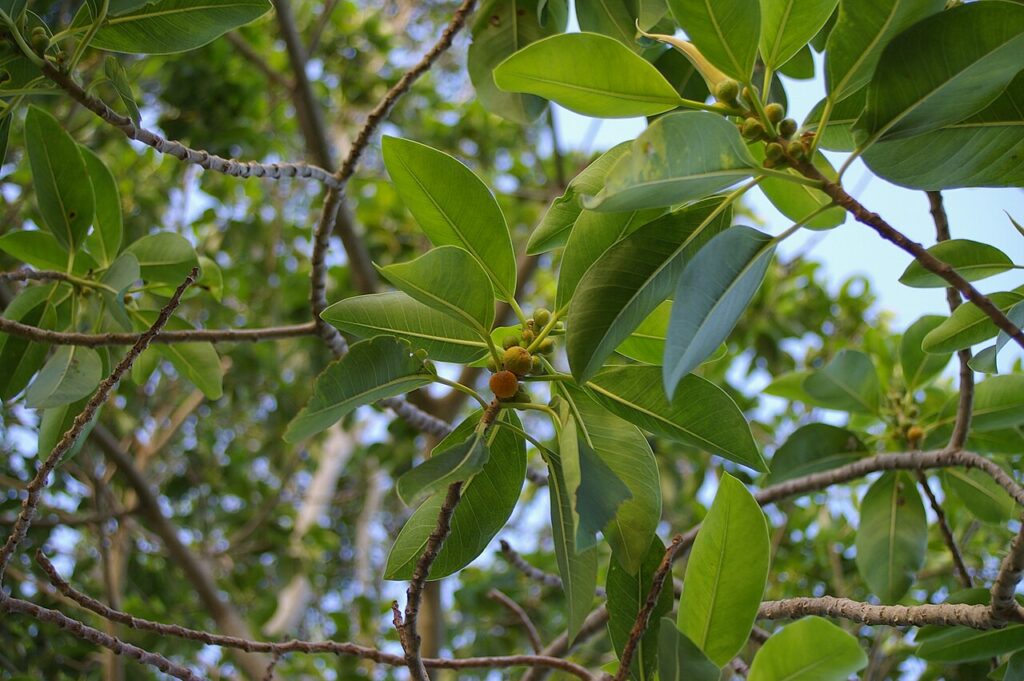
x=520 y=614
x=93 y=340
x=944 y=614
x=68 y=440
x=947 y=533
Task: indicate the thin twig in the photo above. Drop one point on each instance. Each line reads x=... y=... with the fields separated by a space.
x=927 y=260
x=94 y=340
x=87 y=633
x=203 y=159
x=60 y=519
x=35 y=487
x=249 y=52
x=947 y=533
x=520 y=614
x=644 y=616
x=520 y=563
x=26 y=274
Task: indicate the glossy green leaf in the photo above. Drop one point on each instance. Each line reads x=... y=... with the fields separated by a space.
x=984 y=497
x=453 y=207
x=679 y=157
x=838 y=134
x=981 y=151
x=725 y=31
x=623 y=449
x=986 y=361
x=631 y=279
x=614 y=18
x=578 y=569
x=814 y=448
x=71 y=373
x=105 y=241
x=169 y=26
x=972 y=260
x=788 y=25
x=930 y=75
x=55 y=421
x=701 y=415
x=590 y=74
x=41 y=250
x=801 y=65
x=892 y=536
x=449 y=280
x=810 y=649
x=848 y=383
x=962 y=644
x=198 y=362
x=798 y=201
x=715 y=288
x=372 y=370
x=488 y=500
x=592 y=234
x=396 y=314
x=449 y=462
x=556 y=225
x=862 y=30
x=119 y=276
x=919 y=367
x=60 y=179
x=119 y=79
x=21 y=357
x=968 y=325
x=164 y=258
x=725 y=573
x=503 y=27
x=998 y=403
x=679 y=659
x=647 y=342
x=627 y=593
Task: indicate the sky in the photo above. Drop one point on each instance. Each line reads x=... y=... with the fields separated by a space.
x=854 y=249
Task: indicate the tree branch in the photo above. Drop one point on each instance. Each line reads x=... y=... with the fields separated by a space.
x=520 y=614
x=94 y=340
x=68 y=440
x=1004 y=603
x=947 y=534
x=927 y=260
x=944 y=614
x=203 y=159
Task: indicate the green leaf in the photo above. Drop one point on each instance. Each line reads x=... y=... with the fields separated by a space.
x=119 y=276
x=679 y=157
x=968 y=325
x=972 y=260
x=679 y=659
x=981 y=151
x=725 y=573
x=119 y=79
x=932 y=74
x=788 y=25
x=5 y=133
x=702 y=414
x=920 y=367
x=453 y=207
x=211 y=279
x=105 y=241
x=55 y=421
x=814 y=448
x=631 y=279
x=60 y=179
x=797 y=201
x=725 y=31
x=590 y=74
x=372 y=370
x=488 y=500
x=503 y=27
x=838 y=134
x=848 y=383
x=449 y=280
x=984 y=497
x=41 y=250
x=986 y=360
x=810 y=649
x=627 y=593
x=449 y=462
x=623 y=449
x=801 y=65
x=71 y=373
x=715 y=288
x=20 y=357
x=647 y=342
x=169 y=26
x=998 y=403
x=862 y=30
x=578 y=570
x=198 y=362
x=396 y=314
x=962 y=644
x=592 y=235
x=164 y=258
x=556 y=225
x=892 y=536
